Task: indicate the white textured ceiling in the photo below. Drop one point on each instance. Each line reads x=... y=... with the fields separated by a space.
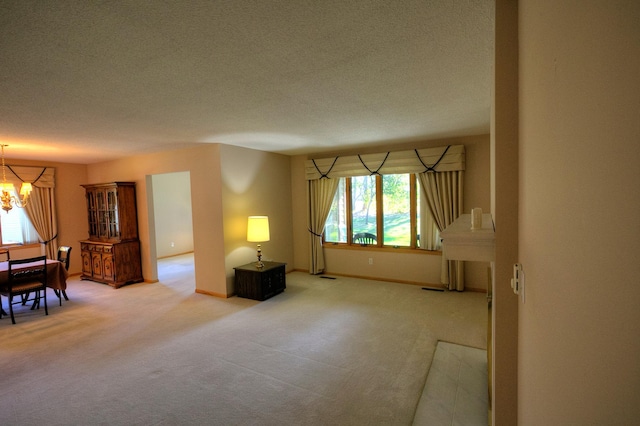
x=87 y=81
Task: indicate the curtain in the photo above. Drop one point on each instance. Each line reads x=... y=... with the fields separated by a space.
x=428 y=235
x=443 y=192
x=41 y=206
x=441 y=159
x=321 y=193
x=41 y=211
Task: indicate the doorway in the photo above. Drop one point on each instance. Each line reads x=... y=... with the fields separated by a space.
x=170 y=216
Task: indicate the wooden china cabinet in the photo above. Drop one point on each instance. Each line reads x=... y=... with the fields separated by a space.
x=111 y=255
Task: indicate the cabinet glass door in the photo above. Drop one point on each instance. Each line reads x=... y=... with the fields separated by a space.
x=92 y=211
x=112 y=214
x=102 y=214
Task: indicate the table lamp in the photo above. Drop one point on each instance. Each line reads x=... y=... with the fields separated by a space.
x=258 y=232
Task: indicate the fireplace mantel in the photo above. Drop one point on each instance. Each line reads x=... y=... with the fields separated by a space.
x=459 y=242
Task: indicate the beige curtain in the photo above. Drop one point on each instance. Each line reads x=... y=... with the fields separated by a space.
x=429 y=235
x=321 y=193
x=441 y=159
x=41 y=211
x=443 y=192
x=41 y=206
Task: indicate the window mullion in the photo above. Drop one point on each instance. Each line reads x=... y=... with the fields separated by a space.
x=379 y=211
x=347 y=190
x=413 y=209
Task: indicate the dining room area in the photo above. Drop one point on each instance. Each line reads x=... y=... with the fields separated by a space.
x=26 y=279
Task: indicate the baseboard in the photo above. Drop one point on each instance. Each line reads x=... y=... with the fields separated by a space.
x=421 y=284
x=213 y=293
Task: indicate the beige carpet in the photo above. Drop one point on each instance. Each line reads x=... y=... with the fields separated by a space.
x=341 y=352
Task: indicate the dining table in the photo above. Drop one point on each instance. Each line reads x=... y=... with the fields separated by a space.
x=56 y=273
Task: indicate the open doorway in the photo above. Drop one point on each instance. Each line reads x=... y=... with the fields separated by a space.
x=172 y=217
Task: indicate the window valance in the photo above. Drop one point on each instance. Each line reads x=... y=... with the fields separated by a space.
x=440 y=159
x=41 y=177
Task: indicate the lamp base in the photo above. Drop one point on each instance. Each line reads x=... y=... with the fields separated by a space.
x=259 y=263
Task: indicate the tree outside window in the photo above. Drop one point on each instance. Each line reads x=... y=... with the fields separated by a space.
x=387 y=207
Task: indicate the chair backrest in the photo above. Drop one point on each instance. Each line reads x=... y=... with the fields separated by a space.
x=64 y=256
x=4 y=254
x=364 y=238
x=36 y=272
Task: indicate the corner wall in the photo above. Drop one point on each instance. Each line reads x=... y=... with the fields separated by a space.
x=579 y=213
x=504 y=201
x=255 y=183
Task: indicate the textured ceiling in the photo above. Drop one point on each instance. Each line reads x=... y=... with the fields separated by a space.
x=87 y=81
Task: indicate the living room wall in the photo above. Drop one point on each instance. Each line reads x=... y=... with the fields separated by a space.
x=420 y=267
x=255 y=183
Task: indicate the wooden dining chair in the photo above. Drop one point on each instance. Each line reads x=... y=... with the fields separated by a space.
x=64 y=257
x=28 y=282
x=364 y=238
x=4 y=255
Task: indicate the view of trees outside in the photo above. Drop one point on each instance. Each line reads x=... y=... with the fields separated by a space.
x=396 y=201
x=363 y=204
x=396 y=205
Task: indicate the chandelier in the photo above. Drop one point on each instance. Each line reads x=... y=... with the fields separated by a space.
x=7 y=198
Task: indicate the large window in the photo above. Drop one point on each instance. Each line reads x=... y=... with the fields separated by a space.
x=382 y=211
x=16 y=228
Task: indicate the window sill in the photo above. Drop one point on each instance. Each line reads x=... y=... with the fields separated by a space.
x=18 y=245
x=407 y=250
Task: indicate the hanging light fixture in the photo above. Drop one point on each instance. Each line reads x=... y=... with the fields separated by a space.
x=8 y=189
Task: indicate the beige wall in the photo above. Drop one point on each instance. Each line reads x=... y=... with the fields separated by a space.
x=579 y=345
x=71 y=206
x=255 y=183
x=418 y=268
x=203 y=163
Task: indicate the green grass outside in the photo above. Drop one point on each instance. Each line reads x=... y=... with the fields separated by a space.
x=397 y=229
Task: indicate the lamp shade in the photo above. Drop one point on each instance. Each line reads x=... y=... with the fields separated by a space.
x=25 y=189
x=258 y=229
x=6 y=186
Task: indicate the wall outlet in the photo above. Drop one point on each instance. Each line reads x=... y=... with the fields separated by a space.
x=371 y=261
x=173 y=244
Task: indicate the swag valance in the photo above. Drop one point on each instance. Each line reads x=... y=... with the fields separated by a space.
x=440 y=159
x=39 y=177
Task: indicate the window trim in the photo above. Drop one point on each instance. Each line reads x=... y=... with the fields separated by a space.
x=413 y=220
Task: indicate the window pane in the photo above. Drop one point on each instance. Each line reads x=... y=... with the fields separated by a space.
x=16 y=227
x=363 y=205
x=396 y=204
x=335 y=228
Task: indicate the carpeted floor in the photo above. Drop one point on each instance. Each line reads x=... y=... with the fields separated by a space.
x=340 y=352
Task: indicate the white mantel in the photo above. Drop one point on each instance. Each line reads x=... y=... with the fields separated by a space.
x=459 y=242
